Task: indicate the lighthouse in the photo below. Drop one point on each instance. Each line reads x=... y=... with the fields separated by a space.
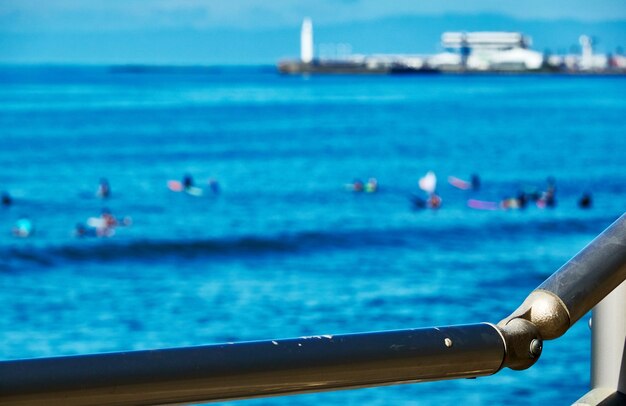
x=306 y=41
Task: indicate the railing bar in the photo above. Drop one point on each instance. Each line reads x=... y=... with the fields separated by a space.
x=261 y=368
x=592 y=273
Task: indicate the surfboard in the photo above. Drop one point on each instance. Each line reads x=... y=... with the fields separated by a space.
x=96 y=222
x=176 y=186
x=482 y=205
x=459 y=183
x=193 y=191
x=428 y=183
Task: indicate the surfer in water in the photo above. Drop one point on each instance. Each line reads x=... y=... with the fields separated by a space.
x=355 y=186
x=187 y=181
x=518 y=202
x=475 y=181
x=547 y=198
x=585 y=201
x=434 y=201
x=472 y=184
x=186 y=185
x=371 y=186
x=214 y=186
x=109 y=220
x=6 y=199
x=82 y=230
x=103 y=226
x=104 y=189
x=428 y=183
x=23 y=228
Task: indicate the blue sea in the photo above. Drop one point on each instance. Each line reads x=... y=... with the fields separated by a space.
x=285 y=249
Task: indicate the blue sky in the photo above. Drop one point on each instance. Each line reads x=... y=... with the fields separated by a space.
x=90 y=31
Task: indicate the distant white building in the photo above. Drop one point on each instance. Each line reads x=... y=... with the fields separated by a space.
x=589 y=60
x=516 y=57
x=487 y=51
x=481 y=41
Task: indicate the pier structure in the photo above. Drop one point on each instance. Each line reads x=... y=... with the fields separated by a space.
x=464 y=52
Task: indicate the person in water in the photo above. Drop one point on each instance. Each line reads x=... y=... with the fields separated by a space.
x=106 y=226
x=434 y=201
x=6 y=199
x=585 y=201
x=104 y=189
x=103 y=226
x=214 y=186
x=109 y=220
x=23 y=227
x=518 y=202
x=371 y=186
x=475 y=181
x=187 y=181
x=357 y=185
x=112 y=222
x=417 y=202
x=547 y=198
x=82 y=230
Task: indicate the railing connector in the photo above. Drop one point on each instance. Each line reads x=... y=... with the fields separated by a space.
x=562 y=299
x=544 y=310
x=523 y=343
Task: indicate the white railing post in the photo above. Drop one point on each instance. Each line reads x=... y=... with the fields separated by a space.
x=608 y=339
x=608 y=351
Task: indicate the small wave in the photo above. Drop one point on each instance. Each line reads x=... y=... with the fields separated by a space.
x=424 y=236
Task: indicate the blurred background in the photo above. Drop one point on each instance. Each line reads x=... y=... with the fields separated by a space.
x=163 y=185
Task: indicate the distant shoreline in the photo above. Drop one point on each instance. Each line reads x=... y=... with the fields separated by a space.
x=198 y=69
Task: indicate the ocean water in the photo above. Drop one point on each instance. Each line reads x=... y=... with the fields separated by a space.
x=284 y=250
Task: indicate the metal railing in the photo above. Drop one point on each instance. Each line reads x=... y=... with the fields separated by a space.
x=321 y=363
